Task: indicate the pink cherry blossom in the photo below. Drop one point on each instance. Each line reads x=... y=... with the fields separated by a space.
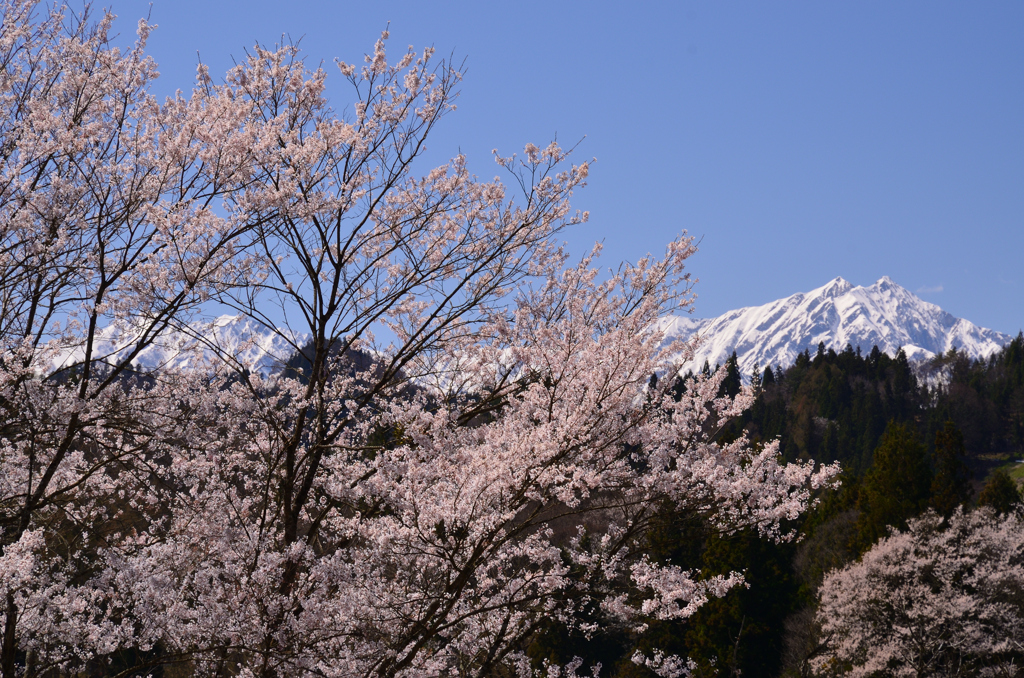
x=406 y=506
x=933 y=600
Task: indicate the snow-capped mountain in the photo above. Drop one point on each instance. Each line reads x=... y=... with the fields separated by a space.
x=254 y=346
x=884 y=315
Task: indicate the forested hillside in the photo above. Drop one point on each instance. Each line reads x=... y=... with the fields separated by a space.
x=910 y=438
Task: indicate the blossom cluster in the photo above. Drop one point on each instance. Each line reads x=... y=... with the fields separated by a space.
x=936 y=599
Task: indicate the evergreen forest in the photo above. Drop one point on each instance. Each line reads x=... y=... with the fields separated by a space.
x=910 y=438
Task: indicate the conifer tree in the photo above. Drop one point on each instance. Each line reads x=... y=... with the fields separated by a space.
x=896 y=487
x=1000 y=493
x=951 y=485
x=803 y=359
x=732 y=383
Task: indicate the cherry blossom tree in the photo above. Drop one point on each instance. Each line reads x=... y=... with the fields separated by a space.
x=107 y=221
x=468 y=445
x=930 y=601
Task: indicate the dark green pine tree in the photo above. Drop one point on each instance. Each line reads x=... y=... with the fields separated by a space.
x=951 y=485
x=896 y=487
x=739 y=634
x=904 y=385
x=1000 y=493
x=1011 y=395
x=742 y=633
x=803 y=360
x=733 y=382
x=820 y=355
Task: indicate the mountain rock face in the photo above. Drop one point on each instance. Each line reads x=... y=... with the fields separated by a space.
x=884 y=315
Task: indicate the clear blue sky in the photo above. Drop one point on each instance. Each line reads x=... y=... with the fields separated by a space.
x=800 y=140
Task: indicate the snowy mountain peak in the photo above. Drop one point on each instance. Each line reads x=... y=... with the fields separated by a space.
x=255 y=347
x=226 y=320
x=838 y=313
x=834 y=288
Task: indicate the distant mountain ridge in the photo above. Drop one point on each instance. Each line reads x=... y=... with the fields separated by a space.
x=883 y=314
x=253 y=346
x=836 y=314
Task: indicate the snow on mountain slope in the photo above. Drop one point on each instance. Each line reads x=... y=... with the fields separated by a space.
x=837 y=314
x=254 y=346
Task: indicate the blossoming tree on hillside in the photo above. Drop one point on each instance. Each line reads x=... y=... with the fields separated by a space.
x=934 y=600
x=411 y=507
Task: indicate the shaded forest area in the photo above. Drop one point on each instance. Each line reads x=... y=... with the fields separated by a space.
x=910 y=438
